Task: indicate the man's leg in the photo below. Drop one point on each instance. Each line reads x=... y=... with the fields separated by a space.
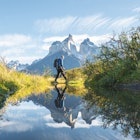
x=62 y=72
x=58 y=72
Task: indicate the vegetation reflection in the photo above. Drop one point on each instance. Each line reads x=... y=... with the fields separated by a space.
x=120 y=109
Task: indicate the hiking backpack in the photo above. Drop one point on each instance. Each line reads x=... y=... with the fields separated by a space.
x=55 y=64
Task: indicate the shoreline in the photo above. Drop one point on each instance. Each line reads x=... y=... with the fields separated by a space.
x=130 y=86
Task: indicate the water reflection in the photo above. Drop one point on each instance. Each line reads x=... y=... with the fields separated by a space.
x=121 y=109
x=59 y=101
x=98 y=114
x=66 y=113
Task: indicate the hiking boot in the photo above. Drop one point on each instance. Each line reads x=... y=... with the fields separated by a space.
x=55 y=81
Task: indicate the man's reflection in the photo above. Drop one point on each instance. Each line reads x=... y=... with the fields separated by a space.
x=59 y=103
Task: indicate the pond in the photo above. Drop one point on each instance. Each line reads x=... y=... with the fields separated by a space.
x=66 y=113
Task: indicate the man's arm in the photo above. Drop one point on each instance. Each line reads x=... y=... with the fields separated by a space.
x=61 y=64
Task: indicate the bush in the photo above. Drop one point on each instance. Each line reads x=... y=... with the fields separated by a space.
x=117 y=59
x=75 y=74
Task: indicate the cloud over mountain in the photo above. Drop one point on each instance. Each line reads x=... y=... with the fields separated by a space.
x=13 y=40
x=85 y=24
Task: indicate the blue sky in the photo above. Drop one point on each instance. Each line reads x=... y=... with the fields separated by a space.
x=28 y=27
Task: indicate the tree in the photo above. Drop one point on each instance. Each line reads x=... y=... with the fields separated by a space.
x=118 y=58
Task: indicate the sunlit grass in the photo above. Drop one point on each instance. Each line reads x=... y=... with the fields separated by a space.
x=79 y=82
x=75 y=82
x=20 y=85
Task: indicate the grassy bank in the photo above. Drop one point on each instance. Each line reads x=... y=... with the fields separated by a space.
x=118 y=75
x=20 y=83
x=76 y=76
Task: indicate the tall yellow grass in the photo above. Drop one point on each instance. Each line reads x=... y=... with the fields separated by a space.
x=12 y=81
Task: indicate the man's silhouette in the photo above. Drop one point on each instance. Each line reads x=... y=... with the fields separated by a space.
x=59 y=102
x=60 y=68
x=67 y=112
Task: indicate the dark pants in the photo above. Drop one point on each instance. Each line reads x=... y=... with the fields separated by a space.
x=60 y=71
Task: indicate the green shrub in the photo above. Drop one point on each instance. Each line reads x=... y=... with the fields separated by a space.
x=116 y=61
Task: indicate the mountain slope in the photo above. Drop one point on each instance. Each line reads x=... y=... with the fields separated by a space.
x=70 y=62
x=67 y=47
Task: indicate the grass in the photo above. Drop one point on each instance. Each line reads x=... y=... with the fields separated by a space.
x=75 y=77
x=20 y=84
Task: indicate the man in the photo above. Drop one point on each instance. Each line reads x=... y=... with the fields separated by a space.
x=60 y=68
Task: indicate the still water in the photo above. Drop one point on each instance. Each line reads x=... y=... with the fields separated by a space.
x=63 y=114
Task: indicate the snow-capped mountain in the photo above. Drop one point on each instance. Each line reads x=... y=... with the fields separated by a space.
x=55 y=47
x=67 y=47
x=88 y=49
x=13 y=64
x=35 y=61
x=17 y=66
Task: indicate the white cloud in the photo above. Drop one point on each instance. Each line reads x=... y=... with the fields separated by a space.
x=49 y=40
x=14 y=126
x=54 y=38
x=55 y=24
x=77 y=24
x=28 y=59
x=22 y=59
x=21 y=47
x=12 y=51
x=88 y=24
x=13 y=40
x=122 y=23
x=57 y=125
x=136 y=9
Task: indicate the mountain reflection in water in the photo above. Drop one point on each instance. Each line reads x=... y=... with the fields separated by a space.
x=99 y=115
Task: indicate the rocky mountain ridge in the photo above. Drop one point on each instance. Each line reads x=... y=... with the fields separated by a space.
x=73 y=57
